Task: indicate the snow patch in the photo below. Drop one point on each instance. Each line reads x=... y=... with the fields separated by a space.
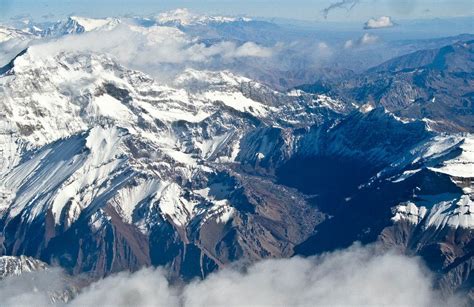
x=173 y=205
x=405 y=175
x=128 y=198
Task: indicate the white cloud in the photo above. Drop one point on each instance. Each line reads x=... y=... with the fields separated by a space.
x=378 y=23
x=366 y=39
x=356 y=276
x=148 y=287
x=349 y=44
x=324 y=49
x=149 y=49
x=251 y=49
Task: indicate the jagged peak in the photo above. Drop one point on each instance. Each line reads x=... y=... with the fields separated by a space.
x=78 y=25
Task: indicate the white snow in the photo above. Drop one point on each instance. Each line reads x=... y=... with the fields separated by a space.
x=15 y=266
x=7 y=34
x=221 y=210
x=366 y=108
x=127 y=199
x=238 y=102
x=34 y=180
x=462 y=216
x=456 y=213
x=462 y=165
x=108 y=106
x=439 y=146
x=175 y=206
x=410 y=212
x=91 y=24
x=295 y=93
x=180 y=156
x=81 y=137
x=205 y=78
x=184 y=17
x=330 y=103
x=84 y=185
x=225 y=214
x=209 y=147
x=405 y=175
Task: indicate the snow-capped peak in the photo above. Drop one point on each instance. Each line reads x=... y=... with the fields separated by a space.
x=183 y=17
x=77 y=25
x=90 y=24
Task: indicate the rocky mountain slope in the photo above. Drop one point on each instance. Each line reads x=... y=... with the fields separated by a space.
x=143 y=172
x=434 y=85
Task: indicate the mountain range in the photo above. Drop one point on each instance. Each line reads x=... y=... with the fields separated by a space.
x=106 y=169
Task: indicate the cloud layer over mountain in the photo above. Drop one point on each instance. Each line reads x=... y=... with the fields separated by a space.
x=356 y=276
x=153 y=49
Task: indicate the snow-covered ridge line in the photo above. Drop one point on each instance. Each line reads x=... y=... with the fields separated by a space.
x=461 y=166
x=450 y=154
x=86 y=122
x=78 y=25
x=7 y=34
x=184 y=17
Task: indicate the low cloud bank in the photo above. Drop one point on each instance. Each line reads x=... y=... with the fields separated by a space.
x=379 y=23
x=151 y=49
x=355 y=276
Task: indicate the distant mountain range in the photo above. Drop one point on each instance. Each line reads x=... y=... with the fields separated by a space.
x=434 y=85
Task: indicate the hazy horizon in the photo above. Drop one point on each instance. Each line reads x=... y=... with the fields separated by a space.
x=333 y=11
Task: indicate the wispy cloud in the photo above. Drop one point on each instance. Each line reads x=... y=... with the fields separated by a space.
x=343 y=4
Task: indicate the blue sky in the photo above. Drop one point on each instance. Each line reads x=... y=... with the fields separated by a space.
x=296 y=9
